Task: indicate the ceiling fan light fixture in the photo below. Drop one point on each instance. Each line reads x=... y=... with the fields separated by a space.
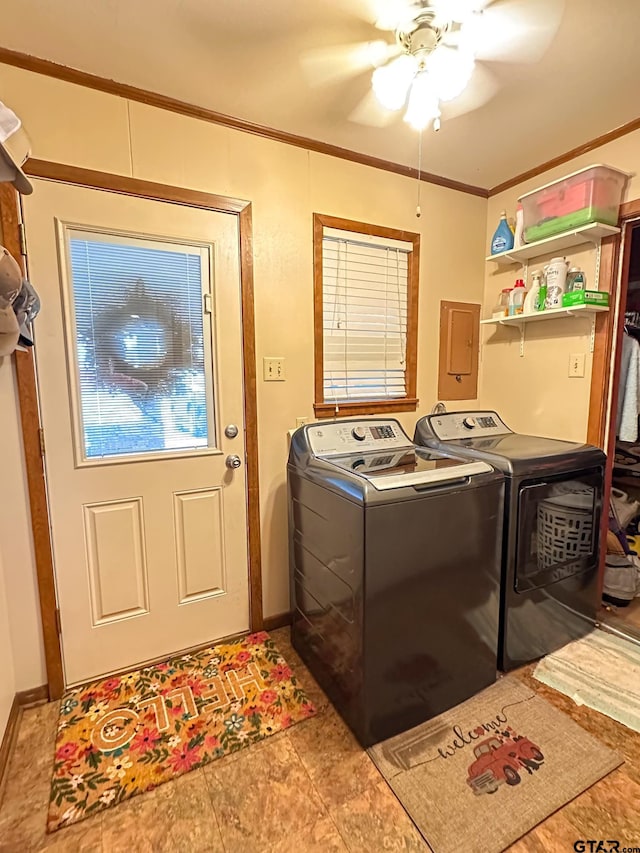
x=438 y=58
x=391 y=82
x=451 y=70
x=423 y=105
x=377 y=52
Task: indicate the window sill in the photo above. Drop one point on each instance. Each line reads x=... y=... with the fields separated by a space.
x=376 y=407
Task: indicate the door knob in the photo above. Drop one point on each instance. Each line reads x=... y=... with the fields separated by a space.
x=233 y=461
x=231 y=430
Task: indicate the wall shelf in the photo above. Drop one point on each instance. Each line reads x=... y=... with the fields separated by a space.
x=520 y=320
x=593 y=233
x=548 y=314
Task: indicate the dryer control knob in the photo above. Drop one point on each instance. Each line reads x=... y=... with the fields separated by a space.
x=469 y=423
x=359 y=433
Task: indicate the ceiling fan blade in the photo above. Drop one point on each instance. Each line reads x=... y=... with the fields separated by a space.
x=369 y=111
x=513 y=30
x=394 y=14
x=482 y=86
x=339 y=62
x=384 y=14
x=457 y=10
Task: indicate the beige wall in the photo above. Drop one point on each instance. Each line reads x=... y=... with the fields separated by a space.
x=535 y=393
x=8 y=685
x=16 y=546
x=286 y=185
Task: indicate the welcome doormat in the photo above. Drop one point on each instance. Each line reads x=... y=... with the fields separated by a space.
x=601 y=671
x=128 y=734
x=481 y=775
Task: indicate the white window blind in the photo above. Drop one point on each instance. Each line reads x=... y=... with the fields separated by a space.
x=145 y=382
x=364 y=295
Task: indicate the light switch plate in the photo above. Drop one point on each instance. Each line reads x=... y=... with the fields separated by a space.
x=273 y=369
x=576 y=364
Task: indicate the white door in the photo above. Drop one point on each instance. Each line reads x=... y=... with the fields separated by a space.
x=139 y=360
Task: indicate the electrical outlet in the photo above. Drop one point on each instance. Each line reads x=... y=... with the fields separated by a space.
x=301 y=422
x=576 y=364
x=273 y=369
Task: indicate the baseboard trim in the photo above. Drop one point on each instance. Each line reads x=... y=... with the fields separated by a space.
x=280 y=620
x=34 y=696
x=8 y=741
x=23 y=699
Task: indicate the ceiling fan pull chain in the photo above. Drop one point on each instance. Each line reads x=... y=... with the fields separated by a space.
x=418 y=211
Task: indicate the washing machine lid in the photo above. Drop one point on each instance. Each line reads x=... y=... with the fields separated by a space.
x=484 y=435
x=515 y=446
x=415 y=466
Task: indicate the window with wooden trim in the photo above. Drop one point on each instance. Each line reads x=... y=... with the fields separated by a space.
x=366 y=317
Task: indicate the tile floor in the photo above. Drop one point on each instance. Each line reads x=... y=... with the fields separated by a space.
x=310 y=788
x=626 y=619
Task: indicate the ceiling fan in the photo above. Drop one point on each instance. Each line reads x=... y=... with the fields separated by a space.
x=437 y=62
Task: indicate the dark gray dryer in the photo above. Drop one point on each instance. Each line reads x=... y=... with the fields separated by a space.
x=553 y=501
x=395 y=572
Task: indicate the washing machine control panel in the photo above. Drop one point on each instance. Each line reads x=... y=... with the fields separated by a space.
x=456 y=425
x=332 y=438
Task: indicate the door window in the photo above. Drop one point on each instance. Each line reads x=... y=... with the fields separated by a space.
x=557 y=529
x=139 y=345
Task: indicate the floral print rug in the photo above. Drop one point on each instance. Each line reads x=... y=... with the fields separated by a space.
x=128 y=734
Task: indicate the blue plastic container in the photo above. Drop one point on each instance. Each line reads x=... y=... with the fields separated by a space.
x=503 y=238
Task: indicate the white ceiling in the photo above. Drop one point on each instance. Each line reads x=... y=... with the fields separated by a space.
x=244 y=58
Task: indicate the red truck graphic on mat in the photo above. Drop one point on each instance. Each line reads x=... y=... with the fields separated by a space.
x=502 y=759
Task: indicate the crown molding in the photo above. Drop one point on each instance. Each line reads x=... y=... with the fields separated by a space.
x=591 y=145
x=144 y=96
x=154 y=99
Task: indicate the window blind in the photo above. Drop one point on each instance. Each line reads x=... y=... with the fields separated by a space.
x=139 y=345
x=364 y=316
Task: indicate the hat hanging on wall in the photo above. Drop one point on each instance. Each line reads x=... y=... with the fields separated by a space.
x=9 y=331
x=10 y=279
x=10 y=287
x=14 y=150
x=26 y=306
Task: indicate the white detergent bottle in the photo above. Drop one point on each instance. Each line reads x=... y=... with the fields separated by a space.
x=556 y=280
x=532 y=297
x=518 y=236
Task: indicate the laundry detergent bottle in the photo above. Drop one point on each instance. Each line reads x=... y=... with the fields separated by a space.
x=503 y=238
x=517 y=298
x=532 y=299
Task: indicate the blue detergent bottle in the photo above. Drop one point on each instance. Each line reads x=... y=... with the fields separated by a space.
x=503 y=238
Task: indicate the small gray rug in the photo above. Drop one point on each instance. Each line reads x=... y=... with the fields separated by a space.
x=483 y=774
x=601 y=671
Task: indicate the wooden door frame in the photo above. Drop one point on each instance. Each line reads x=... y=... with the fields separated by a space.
x=10 y=220
x=613 y=270
x=605 y=373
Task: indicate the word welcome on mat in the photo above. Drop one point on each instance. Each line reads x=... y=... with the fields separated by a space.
x=481 y=775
